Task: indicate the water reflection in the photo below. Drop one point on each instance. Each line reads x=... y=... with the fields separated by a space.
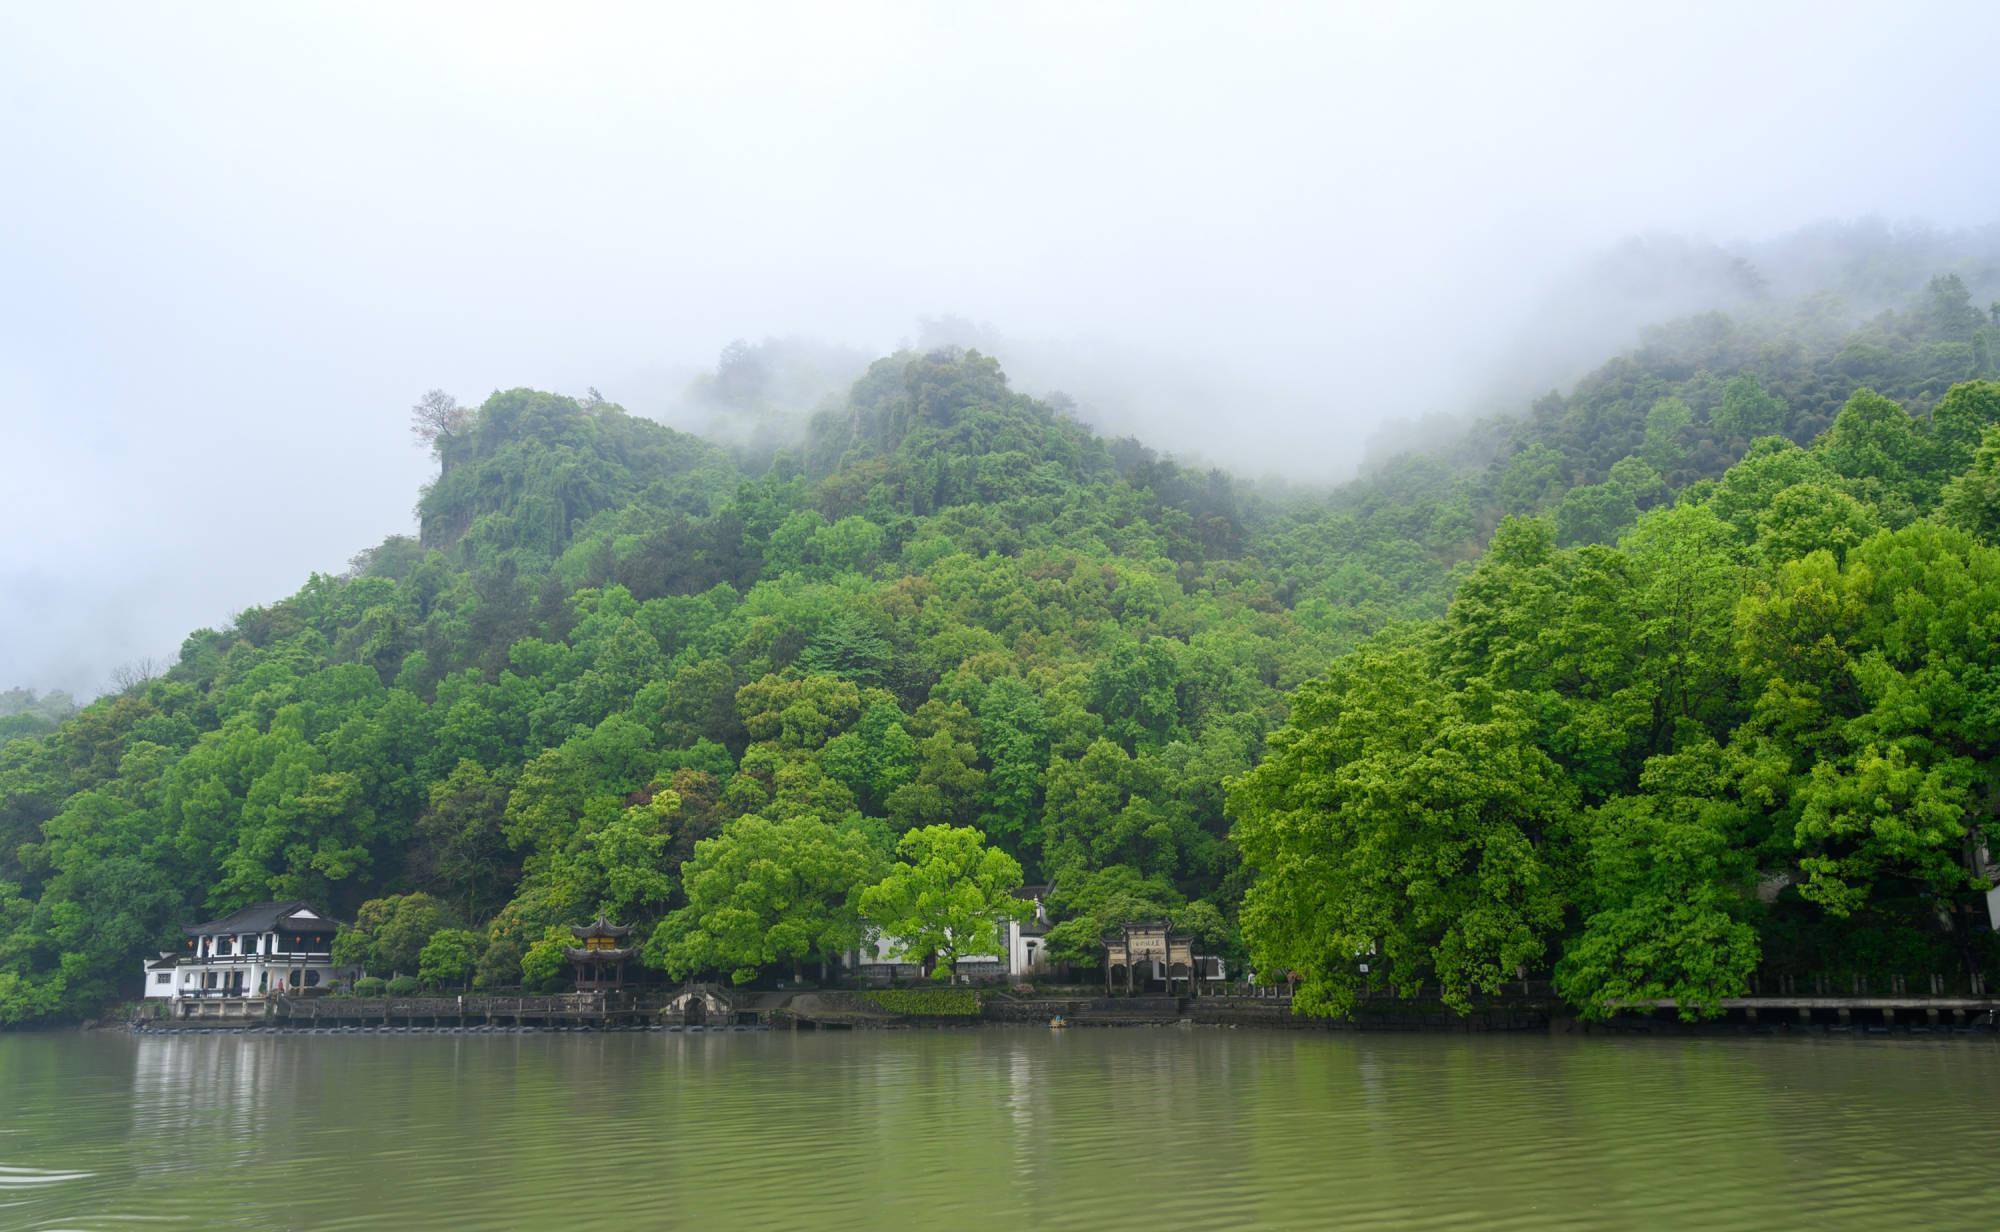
x=1152 y=1129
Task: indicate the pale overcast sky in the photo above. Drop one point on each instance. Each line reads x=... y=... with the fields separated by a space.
x=237 y=241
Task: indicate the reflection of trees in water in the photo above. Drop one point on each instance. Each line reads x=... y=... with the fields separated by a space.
x=1104 y=1128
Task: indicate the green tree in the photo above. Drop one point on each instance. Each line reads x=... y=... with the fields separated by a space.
x=1667 y=895
x=1532 y=478
x=849 y=648
x=765 y=892
x=848 y=546
x=461 y=846
x=947 y=898
x=1747 y=410
x=1135 y=689
x=448 y=958
x=1595 y=513
x=801 y=713
x=1666 y=422
x=1874 y=445
x=875 y=759
x=1960 y=421
x=1013 y=737
x=946 y=786
x=1096 y=902
x=1972 y=499
x=1810 y=517
x=388 y=934
x=545 y=964
x=1877 y=712
x=1398 y=818
x=626 y=860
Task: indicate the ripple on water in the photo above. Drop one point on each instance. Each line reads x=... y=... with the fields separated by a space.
x=1136 y=1129
x=10 y=1175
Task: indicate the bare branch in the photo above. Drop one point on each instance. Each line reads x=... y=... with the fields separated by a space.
x=129 y=676
x=437 y=417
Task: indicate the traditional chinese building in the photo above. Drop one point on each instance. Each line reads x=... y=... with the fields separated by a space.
x=160 y=975
x=1027 y=945
x=263 y=949
x=601 y=957
x=1018 y=950
x=1985 y=867
x=1148 y=955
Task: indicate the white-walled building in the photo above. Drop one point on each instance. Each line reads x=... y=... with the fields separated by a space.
x=1021 y=947
x=261 y=949
x=1984 y=865
x=160 y=975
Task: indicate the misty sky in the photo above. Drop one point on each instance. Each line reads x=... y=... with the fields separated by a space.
x=238 y=241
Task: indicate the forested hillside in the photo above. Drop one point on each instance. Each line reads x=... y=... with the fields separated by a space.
x=624 y=670
x=23 y=712
x=1673 y=727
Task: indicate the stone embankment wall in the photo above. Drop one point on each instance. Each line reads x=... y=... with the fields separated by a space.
x=1084 y=1011
x=1369 y=1016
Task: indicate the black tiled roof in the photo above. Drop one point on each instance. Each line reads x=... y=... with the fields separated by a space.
x=261 y=917
x=600 y=928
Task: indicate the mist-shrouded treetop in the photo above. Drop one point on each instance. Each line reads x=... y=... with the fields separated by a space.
x=1251 y=243
x=1678 y=675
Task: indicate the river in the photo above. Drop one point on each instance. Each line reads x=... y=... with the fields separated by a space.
x=1014 y=1128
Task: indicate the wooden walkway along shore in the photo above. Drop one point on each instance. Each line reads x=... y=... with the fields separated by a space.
x=586 y=1011
x=1526 y=1005
x=694 y=1006
x=1959 y=1011
x=572 y=1009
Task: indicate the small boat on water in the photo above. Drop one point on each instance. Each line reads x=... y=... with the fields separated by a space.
x=1058 y=1021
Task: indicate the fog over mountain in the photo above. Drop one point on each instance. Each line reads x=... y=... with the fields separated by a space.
x=240 y=241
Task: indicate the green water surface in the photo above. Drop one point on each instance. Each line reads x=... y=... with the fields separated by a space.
x=1016 y=1128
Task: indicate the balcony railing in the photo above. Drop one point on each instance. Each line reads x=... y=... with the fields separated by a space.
x=190 y=960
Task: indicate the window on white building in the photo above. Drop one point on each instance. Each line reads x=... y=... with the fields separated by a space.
x=163 y=977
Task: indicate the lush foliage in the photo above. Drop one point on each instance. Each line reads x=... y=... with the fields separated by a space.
x=947 y=899
x=625 y=670
x=449 y=958
x=1770 y=710
x=23 y=712
x=766 y=892
x=924 y=1002
x=389 y=935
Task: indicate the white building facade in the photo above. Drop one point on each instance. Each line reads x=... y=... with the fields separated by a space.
x=1985 y=866
x=162 y=980
x=261 y=950
x=1019 y=951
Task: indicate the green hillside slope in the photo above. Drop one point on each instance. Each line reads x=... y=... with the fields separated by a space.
x=615 y=672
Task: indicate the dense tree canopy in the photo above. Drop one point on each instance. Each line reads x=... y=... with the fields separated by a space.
x=1683 y=671
x=946 y=899
x=1597 y=758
